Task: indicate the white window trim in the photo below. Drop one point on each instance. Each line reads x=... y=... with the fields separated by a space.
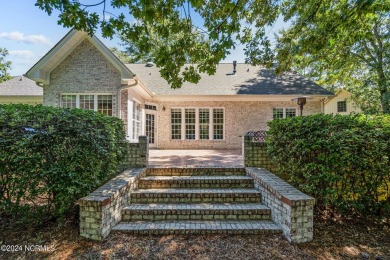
x=197 y=132
x=284 y=111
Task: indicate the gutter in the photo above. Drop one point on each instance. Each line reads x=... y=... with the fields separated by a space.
x=120 y=96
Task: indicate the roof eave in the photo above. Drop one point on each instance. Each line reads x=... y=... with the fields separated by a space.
x=40 y=72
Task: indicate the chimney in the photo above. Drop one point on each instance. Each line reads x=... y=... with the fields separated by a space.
x=234 y=66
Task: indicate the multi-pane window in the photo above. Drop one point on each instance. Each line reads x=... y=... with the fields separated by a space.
x=87 y=102
x=68 y=101
x=99 y=103
x=218 y=123
x=136 y=120
x=197 y=123
x=190 y=125
x=105 y=104
x=150 y=107
x=278 y=113
x=283 y=112
x=342 y=106
x=290 y=112
x=204 y=123
x=176 y=123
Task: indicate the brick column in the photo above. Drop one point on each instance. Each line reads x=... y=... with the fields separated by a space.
x=137 y=154
x=255 y=154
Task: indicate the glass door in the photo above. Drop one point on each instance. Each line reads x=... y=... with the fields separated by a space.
x=150 y=127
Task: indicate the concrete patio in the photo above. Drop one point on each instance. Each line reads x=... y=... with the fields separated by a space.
x=195 y=157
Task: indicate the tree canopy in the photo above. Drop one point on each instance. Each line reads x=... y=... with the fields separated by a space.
x=169 y=31
x=4 y=65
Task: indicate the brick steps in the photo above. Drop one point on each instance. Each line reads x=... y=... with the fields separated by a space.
x=199 y=171
x=204 y=200
x=234 y=181
x=183 y=211
x=197 y=227
x=195 y=196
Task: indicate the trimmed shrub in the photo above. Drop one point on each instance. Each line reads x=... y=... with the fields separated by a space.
x=343 y=161
x=50 y=157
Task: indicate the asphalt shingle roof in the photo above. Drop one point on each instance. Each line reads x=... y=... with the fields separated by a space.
x=248 y=80
x=20 y=86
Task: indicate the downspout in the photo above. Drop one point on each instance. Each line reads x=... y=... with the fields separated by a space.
x=120 y=96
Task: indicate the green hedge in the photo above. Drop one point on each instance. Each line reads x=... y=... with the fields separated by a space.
x=343 y=161
x=50 y=157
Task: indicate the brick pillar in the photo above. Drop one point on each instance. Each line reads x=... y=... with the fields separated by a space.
x=137 y=154
x=254 y=154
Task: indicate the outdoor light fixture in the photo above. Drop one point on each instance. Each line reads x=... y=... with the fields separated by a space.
x=301 y=101
x=163 y=109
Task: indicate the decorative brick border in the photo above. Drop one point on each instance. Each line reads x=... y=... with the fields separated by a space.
x=101 y=210
x=291 y=209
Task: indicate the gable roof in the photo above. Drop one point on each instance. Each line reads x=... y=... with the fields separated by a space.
x=337 y=93
x=248 y=80
x=40 y=72
x=20 y=86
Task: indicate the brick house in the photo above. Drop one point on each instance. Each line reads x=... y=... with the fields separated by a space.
x=80 y=71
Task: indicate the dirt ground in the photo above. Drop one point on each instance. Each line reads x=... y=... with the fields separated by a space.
x=333 y=239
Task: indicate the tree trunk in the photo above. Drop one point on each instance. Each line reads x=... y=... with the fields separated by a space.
x=384 y=90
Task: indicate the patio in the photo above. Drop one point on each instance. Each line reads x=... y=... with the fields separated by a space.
x=195 y=157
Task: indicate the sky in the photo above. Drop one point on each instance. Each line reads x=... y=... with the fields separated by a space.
x=28 y=33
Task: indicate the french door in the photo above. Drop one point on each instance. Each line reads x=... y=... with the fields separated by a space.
x=151 y=127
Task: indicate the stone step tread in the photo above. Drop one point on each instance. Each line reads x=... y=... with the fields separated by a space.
x=197 y=191
x=196 y=177
x=196 y=206
x=192 y=225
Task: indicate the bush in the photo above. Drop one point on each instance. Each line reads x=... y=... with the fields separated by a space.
x=50 y=157
x=343 y=161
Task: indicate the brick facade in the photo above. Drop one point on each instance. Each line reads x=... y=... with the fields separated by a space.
x=85 y=70
x=240 y=118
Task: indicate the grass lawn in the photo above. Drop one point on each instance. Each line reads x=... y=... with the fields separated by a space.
x=334 y=239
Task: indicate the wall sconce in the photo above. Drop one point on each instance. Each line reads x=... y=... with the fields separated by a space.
x=163 y=109
x=301 y=101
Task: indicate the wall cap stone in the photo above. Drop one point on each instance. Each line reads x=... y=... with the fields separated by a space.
x=279 y=188
x=104 y=194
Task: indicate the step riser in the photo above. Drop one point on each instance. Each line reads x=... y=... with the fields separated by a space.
x=195 y=172
x=201 y=216
x=195 y=200
x=153 y=184
x=184 y=231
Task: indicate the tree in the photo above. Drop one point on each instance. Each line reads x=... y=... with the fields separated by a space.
x=4 y=65
x=352 y=54
x=315 y=24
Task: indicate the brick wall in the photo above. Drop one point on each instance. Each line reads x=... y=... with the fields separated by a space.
x=137 y=153
x=240 y=118
x=291 y=209
x=254 y=154
x=101 y=210
x=85 y=70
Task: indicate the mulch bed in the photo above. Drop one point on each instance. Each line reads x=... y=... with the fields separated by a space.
x=334 y=239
